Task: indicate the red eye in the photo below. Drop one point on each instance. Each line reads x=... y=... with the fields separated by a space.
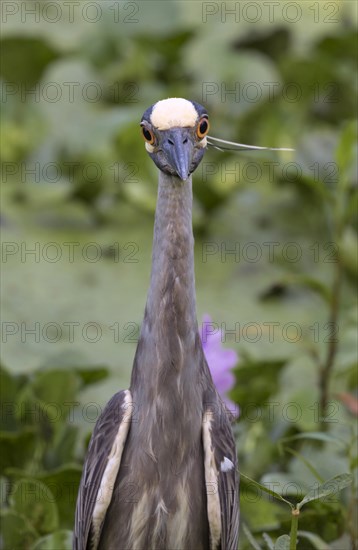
x=202 y=127
x=148 y=135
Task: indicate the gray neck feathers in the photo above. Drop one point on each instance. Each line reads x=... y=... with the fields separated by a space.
x=171 y=303
x=169 y=373
x=169 y=339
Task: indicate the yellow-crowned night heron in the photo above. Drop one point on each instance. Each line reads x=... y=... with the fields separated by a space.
x=161 y=470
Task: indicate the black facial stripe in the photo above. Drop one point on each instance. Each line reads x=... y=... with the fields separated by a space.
x=147 y=114
x=200 y=109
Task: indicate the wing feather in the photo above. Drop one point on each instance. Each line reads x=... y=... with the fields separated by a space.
x=220 y=452
x=100 y=470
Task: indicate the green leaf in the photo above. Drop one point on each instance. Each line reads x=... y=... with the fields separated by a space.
x=34 y=500
x=56 y=386
x=8 y=389
x=68 y=479
x=64 y=483
x=259 y=378
x=58 y=540
x=265 y=489
x=17 y=532
x=282 y=543
x=344 y=152
x=92 y=375
x=313 y=284
x=329 y=487
x=63 y=449
x=348 y=247
x=47 y=400
x=269 y=541
x=17 y=448
x=24 y=59
x=354 y=463
x=314 y=539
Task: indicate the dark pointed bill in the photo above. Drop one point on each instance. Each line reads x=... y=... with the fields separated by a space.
x=179 y=151
x=223 y=145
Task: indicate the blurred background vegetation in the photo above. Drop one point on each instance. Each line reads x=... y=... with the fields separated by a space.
x=78 y=199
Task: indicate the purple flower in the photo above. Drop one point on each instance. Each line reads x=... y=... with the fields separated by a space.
x=220 y=360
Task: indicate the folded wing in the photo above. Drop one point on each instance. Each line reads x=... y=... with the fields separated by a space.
x=221 y=478
x=100 y=470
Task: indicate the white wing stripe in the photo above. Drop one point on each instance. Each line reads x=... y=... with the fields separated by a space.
x=211 y=481
x=106 y=487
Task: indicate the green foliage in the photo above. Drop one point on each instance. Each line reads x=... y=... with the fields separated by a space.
x=75 y=171
x=59 y=539
x=23 y=60
x=282 y=543
x=34 y=501
x=39 y=463
x=17 y=531
x=330 y=487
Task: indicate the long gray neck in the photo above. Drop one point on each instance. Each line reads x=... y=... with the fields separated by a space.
x=169 y=374
x=169 y=334
x=171 y=302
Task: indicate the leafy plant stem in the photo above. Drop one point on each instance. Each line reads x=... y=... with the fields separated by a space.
x=338 y=219
x=294 y=528
x=327 y=368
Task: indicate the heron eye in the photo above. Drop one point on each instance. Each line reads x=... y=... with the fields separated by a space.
x=202 y=128
x=148 y=135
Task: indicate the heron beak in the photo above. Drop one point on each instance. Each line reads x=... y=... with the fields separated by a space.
x=178 y=149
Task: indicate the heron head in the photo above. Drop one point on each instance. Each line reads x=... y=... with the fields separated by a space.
x=175 y=132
